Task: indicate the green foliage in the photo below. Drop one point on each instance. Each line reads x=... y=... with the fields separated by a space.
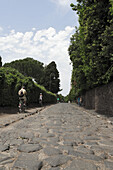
x=51 y=79
x=47 y=76
x=66 y=99
x=91 y=49
x=111 y=8
x=61 y=97
x=10 y=83
x=28 y=67
x=0 y=61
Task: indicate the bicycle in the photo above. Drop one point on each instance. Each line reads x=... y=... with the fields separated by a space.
x=21 y=106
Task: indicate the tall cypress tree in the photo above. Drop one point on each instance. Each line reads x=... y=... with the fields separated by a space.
x=0 y=61
x=51 y=80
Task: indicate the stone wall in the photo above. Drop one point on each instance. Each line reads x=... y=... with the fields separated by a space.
x=100 y=99
x=89 y=99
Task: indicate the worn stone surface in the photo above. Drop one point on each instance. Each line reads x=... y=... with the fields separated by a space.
x=58 y=160
x=51 y=151
x=28 y=161
x=4 y=148
x=2 y=168
x=61 y=136
x=81 y=165
x=29 y=148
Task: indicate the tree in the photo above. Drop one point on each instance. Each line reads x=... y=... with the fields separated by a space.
x=47 y=76
x=78 y=80
x=28 y=67
x=51 y=78
x=88 y=53
x=0 y=61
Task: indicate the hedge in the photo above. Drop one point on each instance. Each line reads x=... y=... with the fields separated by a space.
x=10 y=83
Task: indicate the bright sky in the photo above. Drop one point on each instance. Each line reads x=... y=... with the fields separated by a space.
x=40 y=29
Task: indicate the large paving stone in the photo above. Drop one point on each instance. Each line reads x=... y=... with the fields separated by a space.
x=85 y=150
x=111 y=153
x=24 y=135
x=81 y=165
x=55 y=168
x=14 y=142
x=29 y=148
x=4 y=148
x=28 y=161
x=109 y=165
x=55 y=139
x=71 y=136
x=2 y=168
x=57 y=160
x=52 y=143
x=48 y=143
x=102 y=147
x=51 y=151
x=65 y=148
x=106 y=142
x=91 y=143
x=36 y=140
x=91 y=138
x=46 y=135
x=5 y=157
x=84 y=155
x=70 y=143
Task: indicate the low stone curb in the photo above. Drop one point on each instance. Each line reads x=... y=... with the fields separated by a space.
x=9 y=119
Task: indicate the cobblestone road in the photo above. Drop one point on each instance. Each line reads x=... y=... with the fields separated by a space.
x=62 y=136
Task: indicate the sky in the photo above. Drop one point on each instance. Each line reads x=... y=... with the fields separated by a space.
x=40 y=29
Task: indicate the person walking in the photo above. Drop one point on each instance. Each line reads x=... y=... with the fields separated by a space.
x=40 y=99
x=78 y=101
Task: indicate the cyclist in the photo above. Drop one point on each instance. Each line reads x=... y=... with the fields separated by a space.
x=22 y=94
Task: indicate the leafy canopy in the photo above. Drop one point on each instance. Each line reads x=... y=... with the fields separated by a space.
x=91 y=49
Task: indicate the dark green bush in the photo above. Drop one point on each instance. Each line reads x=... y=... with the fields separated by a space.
x=10 y=83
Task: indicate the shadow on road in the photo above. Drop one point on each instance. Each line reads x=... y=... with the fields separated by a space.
x=14 y=110
x=8 y=110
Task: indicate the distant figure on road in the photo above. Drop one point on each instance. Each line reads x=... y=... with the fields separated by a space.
x=79 y=101
x=57 y=99
x=40 y=99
